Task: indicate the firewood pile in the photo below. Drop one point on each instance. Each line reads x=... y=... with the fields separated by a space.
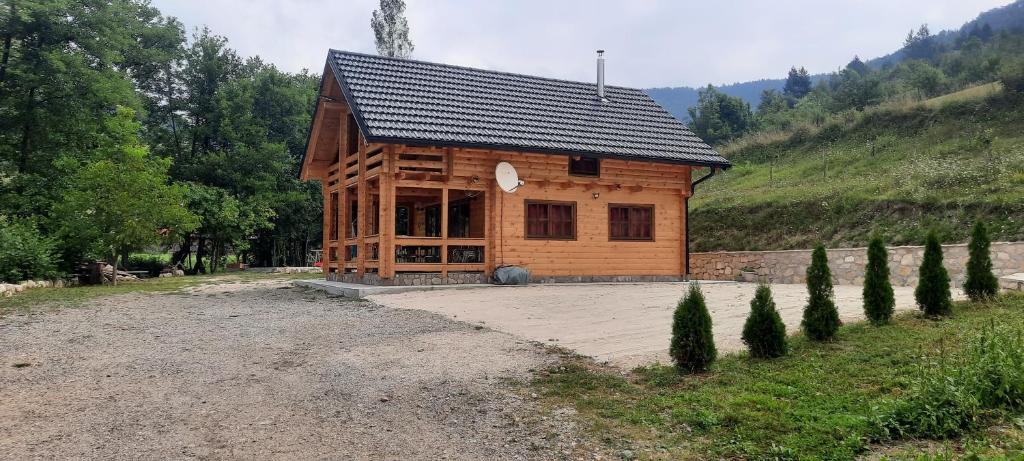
x=107 y=272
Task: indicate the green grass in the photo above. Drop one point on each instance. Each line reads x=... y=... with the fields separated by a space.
x=74 y=296
x=816 y=403
x=966 y=94
x=898 y=169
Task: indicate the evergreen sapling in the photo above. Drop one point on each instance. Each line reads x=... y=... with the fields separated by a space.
x=764 y=333
x=932 y=292
x=879 y=300
x=693 y=346
x=981 y=283
x=821 y=319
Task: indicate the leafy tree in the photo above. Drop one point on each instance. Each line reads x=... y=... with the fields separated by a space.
x=120 y=200
x=391 y=29
x=64 y=66
x=821 y=319
x=981 y=283
x=719 y=117
x=879 y=300
x=852 y=90
x=798 y=83
x=924 y=77
x=764 y=333
x=693 y=345
x=932 y=292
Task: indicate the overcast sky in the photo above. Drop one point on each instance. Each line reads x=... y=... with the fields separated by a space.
x=649 y=43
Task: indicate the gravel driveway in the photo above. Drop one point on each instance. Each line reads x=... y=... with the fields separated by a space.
x=622 y=323
x=266 y=371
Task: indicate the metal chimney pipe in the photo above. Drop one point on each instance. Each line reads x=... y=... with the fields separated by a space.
x=600 y=75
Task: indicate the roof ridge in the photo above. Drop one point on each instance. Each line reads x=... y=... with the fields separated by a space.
x=477 y=69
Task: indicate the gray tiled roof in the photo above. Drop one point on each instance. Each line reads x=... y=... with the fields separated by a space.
x=415 y=102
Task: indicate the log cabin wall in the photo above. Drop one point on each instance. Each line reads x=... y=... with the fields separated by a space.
x=591 y=252
x=387 y=177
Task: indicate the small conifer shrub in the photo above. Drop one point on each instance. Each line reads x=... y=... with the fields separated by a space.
x=821 y=319
x=764 y=333
x=932 y=292
x=693 y=346
x=879 y=300
x=981 y=283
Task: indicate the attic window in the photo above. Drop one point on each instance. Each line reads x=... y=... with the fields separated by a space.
x=584 y=166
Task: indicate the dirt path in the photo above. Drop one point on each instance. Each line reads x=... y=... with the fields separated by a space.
x=624 y=324
x=259 y=371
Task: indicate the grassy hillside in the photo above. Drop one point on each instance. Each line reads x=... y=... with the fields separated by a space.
x=898 y=169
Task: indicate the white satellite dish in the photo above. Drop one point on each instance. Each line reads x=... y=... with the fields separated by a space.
x=508 y=179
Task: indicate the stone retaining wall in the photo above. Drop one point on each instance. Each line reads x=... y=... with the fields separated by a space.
x=847 y=264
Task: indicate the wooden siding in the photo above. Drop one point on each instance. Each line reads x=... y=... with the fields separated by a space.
x=399 y=175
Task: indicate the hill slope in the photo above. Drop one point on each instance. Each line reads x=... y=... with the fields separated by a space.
x=678 y=99
x=898 y=170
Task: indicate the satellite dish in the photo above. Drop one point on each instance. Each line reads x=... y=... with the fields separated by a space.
x=508 y=179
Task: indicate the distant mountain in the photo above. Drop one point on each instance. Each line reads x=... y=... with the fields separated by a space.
x=678 y=99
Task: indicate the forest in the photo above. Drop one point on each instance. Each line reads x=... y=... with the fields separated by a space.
x=121 y=133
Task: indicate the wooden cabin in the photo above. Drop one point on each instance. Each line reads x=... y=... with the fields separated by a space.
x=406 y=152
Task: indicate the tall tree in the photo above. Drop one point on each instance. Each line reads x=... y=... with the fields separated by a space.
x=858 y=66
x=718 y=117
x=798 y=83
x=65 y=66
x=920 y=44
x=391 y=29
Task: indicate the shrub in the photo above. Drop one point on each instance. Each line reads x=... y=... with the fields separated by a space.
x=981 y=283
x=24 y=252
x=764 y=333
x=153 y=264
x=932 y=292
x=821 y=319
x=948 y=397
x=879 y=300
x=1011 y=75
x=693 y=346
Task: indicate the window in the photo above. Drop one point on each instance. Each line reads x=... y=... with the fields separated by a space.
x=584 y=166
x=631 y=222
x=551 y=220
x=402 y=220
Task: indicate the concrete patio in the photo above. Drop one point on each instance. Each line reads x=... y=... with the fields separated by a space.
x=625 y=324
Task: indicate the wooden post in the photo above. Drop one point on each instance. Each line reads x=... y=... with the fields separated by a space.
x=342 y=218
x=325 y=263
x=489 y=230
x=444 y=231
x=361 y=218
x=386 y=231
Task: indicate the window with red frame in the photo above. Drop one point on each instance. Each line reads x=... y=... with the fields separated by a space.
x=551 y=220
x=631 y=222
